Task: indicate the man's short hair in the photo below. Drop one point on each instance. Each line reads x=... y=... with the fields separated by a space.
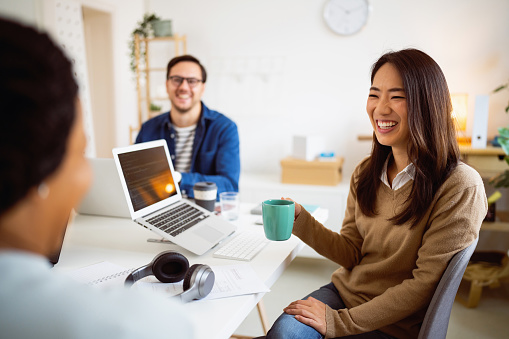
x=190 y=58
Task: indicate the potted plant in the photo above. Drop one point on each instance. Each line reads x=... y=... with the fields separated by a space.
x=144 y=30
x=162 y=27
x=498 y=89
x=501 y=180
x=155 y=108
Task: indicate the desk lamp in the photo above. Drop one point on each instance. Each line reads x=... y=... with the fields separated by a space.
x=460 y=114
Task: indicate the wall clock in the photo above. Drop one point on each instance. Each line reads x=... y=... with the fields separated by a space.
x=346 y=17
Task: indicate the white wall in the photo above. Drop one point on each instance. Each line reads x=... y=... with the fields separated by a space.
x=125 y=16
x=313 y=81
x=26 y=11
x=99 y=53
x=278 y=71
x=41 y=14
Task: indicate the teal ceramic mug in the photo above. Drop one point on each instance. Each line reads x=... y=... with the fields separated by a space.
x=278 y=216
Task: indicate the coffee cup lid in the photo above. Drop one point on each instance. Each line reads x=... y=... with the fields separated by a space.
x=205 y=186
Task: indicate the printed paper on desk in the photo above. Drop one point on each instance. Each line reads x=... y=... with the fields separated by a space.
x=104 y=275
x=231 y=280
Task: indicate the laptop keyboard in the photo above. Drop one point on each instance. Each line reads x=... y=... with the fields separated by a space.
x=177 y=220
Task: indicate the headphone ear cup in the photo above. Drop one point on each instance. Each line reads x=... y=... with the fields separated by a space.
x=170 y=267
x=188 y=276
x=198 y=282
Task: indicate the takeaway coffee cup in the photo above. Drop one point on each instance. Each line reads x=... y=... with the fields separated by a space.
x=278 y=216
x=205 y=194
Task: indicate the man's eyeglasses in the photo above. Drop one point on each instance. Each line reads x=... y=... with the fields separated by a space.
x=177 y=81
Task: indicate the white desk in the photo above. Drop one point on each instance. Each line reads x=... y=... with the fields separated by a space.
x=92 y=239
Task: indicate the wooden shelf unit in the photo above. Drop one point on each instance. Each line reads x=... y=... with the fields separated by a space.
x=501 y=223
x=487 y=161
x=143 y=71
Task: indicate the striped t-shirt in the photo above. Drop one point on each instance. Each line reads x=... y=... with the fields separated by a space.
x=184 y=147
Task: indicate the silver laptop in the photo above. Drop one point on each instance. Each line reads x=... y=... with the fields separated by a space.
x=155 y=202
x=105 y=196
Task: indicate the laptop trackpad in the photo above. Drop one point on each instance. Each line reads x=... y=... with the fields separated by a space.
x=208 y=233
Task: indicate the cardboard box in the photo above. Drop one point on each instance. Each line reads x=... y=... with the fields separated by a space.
x=316 y=172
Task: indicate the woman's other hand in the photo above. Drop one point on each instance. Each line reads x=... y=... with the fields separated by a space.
x=298 y=208
x=310 y=312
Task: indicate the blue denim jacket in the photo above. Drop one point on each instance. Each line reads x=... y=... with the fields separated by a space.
x=215 y=156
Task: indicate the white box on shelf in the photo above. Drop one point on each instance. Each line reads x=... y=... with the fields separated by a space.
x=307 y=147
x=480 y=128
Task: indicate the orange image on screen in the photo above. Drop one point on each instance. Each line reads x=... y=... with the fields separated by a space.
x=159 y=188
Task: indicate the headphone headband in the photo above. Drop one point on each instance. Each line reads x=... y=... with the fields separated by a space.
x=170 y=267
x=167 y=266
x=138 y=274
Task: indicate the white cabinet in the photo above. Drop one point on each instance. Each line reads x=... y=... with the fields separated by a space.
x=259 y=187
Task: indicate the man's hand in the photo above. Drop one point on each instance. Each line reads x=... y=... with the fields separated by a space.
x=310 y=312
x=178 y=177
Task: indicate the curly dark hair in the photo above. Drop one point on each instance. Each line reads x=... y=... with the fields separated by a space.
x=37 y=109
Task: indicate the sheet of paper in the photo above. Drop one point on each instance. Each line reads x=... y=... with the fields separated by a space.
x=104 y=274
x=230 y=280
x=234 y=280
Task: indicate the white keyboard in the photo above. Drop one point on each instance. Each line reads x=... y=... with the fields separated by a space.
x=244 y=246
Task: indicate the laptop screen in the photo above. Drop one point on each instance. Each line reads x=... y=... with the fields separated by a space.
x=148 y=176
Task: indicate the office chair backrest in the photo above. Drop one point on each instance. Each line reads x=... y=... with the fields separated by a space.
x=437 y=316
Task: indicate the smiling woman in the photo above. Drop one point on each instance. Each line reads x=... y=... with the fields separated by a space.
x=412 y=205
x=410 y=89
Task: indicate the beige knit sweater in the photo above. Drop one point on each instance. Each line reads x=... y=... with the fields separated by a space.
x=389 y=272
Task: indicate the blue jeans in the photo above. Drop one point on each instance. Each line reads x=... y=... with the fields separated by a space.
x=287 y=327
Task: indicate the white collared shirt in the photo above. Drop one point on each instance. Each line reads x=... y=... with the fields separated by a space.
x=407 y=174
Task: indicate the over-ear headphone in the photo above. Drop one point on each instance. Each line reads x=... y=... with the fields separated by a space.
x=170 y=267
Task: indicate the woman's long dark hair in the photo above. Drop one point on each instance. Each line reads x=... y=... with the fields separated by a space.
x=432 y=147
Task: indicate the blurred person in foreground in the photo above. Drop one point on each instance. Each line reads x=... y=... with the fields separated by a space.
x=43 y=175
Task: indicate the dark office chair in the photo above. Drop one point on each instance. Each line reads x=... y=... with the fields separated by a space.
x=436 y=320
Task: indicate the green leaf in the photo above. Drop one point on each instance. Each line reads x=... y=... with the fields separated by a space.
x=499 y=88
x=503 y=183
x=154 y=107
x=143 y=29
x=494 y=197
x=503 y=138
x=500 y=180
x=504 y=132
x=504 y=142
